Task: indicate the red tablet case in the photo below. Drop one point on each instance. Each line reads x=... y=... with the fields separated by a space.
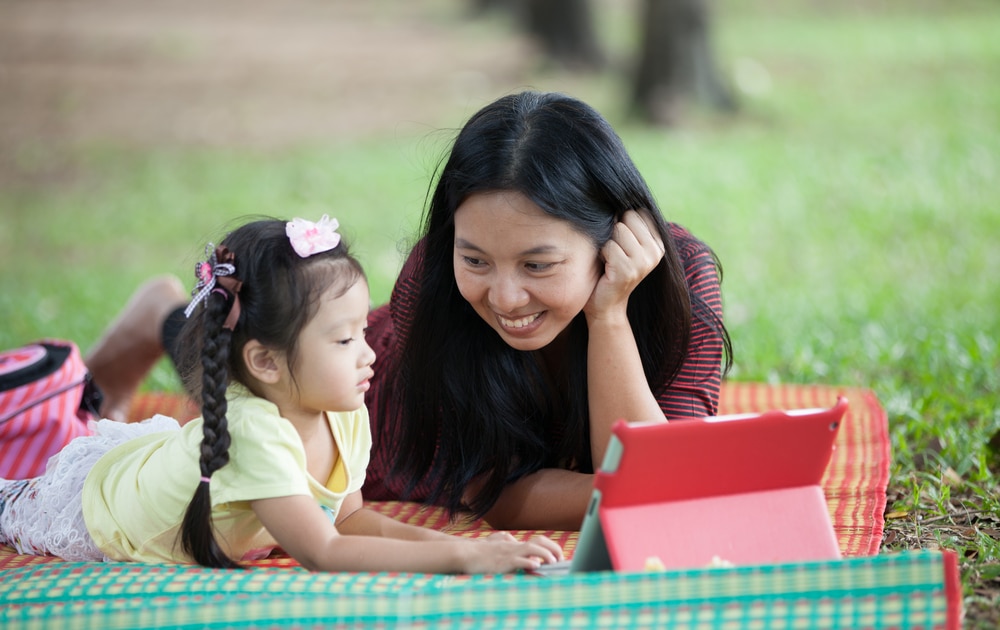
x=740 y=489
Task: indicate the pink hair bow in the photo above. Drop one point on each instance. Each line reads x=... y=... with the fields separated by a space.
x=216 y=274
x=310 y=238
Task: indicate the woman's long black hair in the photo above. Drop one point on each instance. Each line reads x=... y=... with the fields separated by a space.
x=464 y=404
x=279 y=295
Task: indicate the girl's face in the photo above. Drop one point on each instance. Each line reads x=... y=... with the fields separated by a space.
x=527 y=274
x=334 y=362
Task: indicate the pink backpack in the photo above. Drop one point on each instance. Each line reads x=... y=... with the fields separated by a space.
x=42 y=405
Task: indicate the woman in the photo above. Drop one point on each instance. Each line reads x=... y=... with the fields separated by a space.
x=546 y=299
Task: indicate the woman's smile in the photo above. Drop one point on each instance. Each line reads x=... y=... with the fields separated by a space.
x=521 y=325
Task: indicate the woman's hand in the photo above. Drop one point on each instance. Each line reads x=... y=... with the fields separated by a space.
x=616 y=381
x=635 y=249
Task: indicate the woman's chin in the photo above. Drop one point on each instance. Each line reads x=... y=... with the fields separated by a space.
x=526 y=342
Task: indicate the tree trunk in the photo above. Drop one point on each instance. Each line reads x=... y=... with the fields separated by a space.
x=565 y=30
x=676 y=62
x=478 y=7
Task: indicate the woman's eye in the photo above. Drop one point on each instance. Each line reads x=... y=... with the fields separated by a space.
x=473 y=262
x=538 y=266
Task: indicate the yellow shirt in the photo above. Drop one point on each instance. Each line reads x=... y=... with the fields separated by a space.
x=135 y=497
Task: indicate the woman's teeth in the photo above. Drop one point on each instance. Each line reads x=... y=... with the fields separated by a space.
x=519 y=323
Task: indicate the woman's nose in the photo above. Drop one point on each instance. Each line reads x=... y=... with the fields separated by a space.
x=507 y=294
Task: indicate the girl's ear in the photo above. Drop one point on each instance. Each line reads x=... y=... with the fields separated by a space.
x=264 y=364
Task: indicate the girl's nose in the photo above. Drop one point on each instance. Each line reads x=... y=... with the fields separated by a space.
x=368 y=356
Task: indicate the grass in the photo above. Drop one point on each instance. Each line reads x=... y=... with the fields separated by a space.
x=853 y=202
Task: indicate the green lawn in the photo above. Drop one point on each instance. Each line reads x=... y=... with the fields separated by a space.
x=854 y=202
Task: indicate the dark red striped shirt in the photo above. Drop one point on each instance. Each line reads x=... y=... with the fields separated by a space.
x=694 y=393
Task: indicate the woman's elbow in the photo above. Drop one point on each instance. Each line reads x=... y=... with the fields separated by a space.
x=503 y=519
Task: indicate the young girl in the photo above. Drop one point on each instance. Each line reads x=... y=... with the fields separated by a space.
x=275 y=352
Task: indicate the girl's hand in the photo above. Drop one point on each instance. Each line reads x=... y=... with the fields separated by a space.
x=635 y=249
x=500 y=553
x=303 y=530
x=500 y=537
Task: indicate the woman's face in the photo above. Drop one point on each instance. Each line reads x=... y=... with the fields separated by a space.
x=524 y=272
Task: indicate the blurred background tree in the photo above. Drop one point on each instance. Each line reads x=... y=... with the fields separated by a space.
x=674 y=62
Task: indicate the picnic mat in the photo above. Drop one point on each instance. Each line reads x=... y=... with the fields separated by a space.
x=904 y=590
x=913 y=588
x=855 y=481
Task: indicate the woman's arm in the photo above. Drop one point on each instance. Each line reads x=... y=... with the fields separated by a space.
x=303 y=530
x=616 y=382
x=550 y=499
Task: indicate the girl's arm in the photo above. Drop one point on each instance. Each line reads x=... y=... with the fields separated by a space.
x=354 y=519
x=302 y=529
x=616 y=383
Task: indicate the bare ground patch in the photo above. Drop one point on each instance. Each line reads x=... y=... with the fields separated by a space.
x=237 y=72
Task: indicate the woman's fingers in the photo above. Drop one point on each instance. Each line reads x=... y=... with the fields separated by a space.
x=635 y=247
x=634 y=250
x=643 y=230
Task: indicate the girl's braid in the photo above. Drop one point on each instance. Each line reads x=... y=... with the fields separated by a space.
x=197 y=537
x=215 y=380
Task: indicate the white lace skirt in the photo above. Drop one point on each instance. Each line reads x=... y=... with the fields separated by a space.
x=44 y=515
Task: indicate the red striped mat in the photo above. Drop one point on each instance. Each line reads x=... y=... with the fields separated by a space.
x=855 y=482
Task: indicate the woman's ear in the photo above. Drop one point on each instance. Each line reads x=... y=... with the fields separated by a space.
x=264 y=364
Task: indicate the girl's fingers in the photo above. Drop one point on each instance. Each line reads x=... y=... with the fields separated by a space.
x=501 y=537
x=552 y=547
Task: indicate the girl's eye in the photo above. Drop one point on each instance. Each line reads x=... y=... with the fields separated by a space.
x=347 y=341
x=473 y=262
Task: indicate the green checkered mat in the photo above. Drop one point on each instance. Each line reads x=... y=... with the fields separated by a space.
x=915 y=589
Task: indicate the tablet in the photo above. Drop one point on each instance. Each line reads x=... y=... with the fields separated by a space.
x=724 y=490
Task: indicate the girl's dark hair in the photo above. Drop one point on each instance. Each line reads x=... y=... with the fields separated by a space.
x=465 y=403
x=279 y=295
